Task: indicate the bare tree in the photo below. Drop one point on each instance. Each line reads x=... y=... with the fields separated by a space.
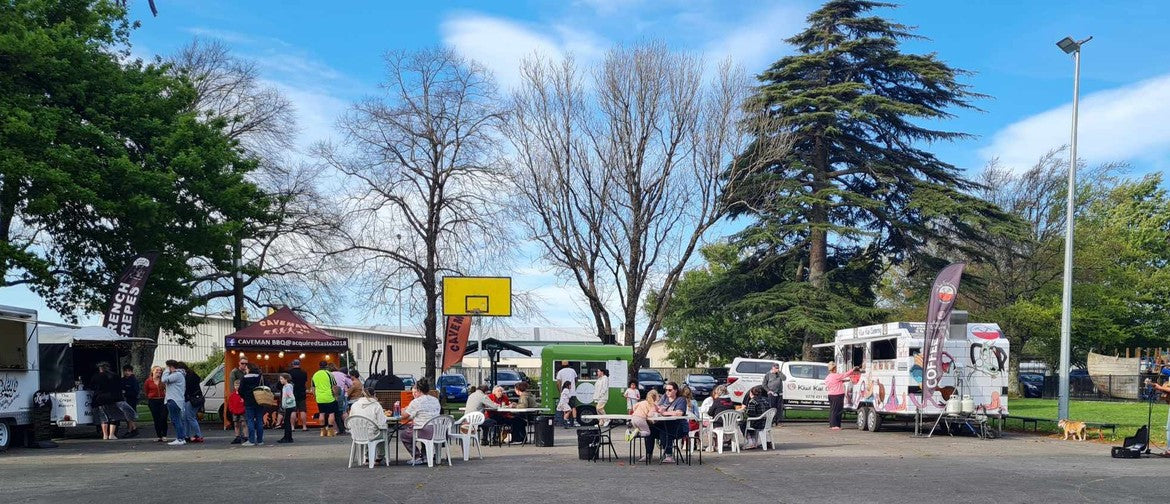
x=424 y=177
x=620 y=183
x=282 y=266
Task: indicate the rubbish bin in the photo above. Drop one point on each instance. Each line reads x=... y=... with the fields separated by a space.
x=544 y=430
x=588 y=444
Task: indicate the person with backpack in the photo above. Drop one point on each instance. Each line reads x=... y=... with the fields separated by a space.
x=253 y=411
x=192 y=403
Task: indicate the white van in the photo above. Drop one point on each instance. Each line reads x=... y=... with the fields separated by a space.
x=213 y=400
x=804 y=382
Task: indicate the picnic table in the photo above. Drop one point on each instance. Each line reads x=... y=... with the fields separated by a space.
x=627 y=418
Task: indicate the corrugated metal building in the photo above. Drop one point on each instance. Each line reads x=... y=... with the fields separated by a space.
x=409 y=356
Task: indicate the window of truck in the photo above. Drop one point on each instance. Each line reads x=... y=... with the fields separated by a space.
x=886 y=349
x=13 y=345
x=811 y=371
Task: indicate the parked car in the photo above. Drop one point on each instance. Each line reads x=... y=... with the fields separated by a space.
x=700 y=384
x=508 y=378
x=719 y=373
x=453 y=387
x=650 y=379
x=407 y=381
x=746 y=373
x=1032 y=385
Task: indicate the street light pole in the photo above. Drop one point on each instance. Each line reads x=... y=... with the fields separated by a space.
x=1069 y=46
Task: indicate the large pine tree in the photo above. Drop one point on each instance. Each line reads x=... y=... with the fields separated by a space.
x=859 y=191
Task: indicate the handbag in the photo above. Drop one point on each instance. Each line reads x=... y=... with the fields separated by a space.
x=288 y=402
x=264 y=396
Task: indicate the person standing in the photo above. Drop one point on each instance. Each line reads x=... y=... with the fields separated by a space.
x=341 y=378
x=774 y=384
x=131 y=389
x=1165 y=389
x=567 y=374
x=192 y=403
x=175 y=382
x=253 y=412
x=234 y=378
x=107 y=395
x=601 y=393
x=835 y=387
x=299 y=379
x=325 y=390
x=156 y=400
x=288 y=403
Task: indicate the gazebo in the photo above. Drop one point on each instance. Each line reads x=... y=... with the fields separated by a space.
x=494 y=347
x=275 y=341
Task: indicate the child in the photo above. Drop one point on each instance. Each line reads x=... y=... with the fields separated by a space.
x=235 y=406
x=632 y=396
x=563 y=404
x=644 y=410
x=288 y=404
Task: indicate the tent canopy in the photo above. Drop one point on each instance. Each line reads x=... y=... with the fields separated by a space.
x=284 y=330
x=92 y=335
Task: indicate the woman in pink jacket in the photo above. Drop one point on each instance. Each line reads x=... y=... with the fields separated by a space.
x=835 y=386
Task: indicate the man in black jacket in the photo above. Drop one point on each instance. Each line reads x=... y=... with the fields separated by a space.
x=107 y=393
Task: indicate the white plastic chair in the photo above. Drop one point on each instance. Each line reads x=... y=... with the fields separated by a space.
x=441 y=426
x=729 y=428
x=365 y=436
x=472 y=420
x=763 y=435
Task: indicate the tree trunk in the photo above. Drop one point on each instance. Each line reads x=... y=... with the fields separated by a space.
x=818 y=219
x=142 y=355
x=806 y=347
x=430 y=339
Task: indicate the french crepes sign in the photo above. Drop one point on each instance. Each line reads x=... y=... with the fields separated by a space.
x=455 y=340
x=938 y=318
x=122 y=316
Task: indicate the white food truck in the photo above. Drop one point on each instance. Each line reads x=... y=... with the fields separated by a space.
x=19 y=371
x=974 y=364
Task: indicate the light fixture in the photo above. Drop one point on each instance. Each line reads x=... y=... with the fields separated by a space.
x=302 y=356
x=328 y=357
x=1068 y=45
x=281 y=355
x=265 y=356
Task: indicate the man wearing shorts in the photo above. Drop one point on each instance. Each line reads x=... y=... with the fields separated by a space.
x=324 y=389
x=299 y=378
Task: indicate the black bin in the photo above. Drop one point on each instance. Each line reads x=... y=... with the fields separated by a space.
x=544 y=430
x=588 y=444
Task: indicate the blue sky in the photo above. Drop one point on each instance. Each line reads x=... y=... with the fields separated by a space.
x=326 y=54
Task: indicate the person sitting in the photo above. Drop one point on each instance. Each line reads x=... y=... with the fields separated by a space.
x=367 y=406
x=756 y=405
x=720 y=402
x=524 y=398
x=668 y=430
x=478 y=401
x=421 y=410
x=519 y=423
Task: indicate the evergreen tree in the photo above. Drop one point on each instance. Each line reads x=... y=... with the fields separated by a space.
x=858 y=192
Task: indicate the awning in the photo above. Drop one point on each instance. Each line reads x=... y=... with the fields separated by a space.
x=284 y=330
x=84 y=336
x=495 y=345
x=855 y=341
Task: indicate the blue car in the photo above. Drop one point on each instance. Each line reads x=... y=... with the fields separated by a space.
x=452 y=387
x=1032 y=385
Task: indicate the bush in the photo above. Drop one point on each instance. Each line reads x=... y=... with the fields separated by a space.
x=207 y=366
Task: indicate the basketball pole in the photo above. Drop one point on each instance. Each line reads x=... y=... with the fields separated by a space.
x=479 y=338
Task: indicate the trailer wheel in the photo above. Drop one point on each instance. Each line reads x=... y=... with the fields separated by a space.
x=874 y=421
x=6 y=434
x=862 y=415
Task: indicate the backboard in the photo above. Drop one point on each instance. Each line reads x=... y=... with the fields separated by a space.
x=479 y=296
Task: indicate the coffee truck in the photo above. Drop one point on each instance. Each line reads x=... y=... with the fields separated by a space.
x=19 y=372
x=585 y=359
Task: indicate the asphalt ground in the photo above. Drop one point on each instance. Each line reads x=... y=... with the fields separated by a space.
x=811 y=464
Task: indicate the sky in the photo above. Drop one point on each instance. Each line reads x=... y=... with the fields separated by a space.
x=325 y=55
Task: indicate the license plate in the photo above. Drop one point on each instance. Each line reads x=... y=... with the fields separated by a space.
x=67 y=423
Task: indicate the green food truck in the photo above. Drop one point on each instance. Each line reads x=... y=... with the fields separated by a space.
x=585 y=359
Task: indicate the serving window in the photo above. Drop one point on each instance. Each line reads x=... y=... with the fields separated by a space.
x=13 y=345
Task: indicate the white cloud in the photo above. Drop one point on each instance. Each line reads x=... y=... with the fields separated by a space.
x=1121 y=124
x=759 y=39
x=501 y=45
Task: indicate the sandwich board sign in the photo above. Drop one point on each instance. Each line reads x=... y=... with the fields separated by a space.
x=478 y=296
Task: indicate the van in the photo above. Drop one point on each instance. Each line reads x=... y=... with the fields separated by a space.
x=743 y=374
x=213 y=390
x=804 y=382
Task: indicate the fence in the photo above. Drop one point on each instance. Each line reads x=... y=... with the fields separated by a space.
x=1092 y=388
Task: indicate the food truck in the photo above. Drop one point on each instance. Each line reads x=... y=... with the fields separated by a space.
x=973 y=363
x=584 y=359
x=68 y=361
x=19 y=371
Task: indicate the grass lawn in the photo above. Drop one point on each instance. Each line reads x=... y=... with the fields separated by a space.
x=1127 y=415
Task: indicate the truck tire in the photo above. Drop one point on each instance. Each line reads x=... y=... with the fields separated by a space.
x=222 y=418
x=874 y=421
x=7 y=433
x=863 y=418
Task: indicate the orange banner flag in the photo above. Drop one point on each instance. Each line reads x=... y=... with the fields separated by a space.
x=455 y=340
